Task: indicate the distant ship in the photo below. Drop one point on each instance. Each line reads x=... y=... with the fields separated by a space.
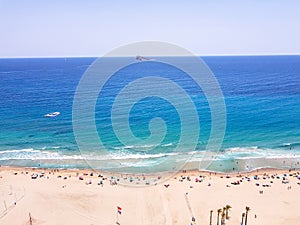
x=141 y=58
x=53 y=114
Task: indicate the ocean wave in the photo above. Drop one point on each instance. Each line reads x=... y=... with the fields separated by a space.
x=139 y=147
x=12 y=71
x=289 y=145
x=255 y=152
x=135 y=147
x=243 y=153
x=141 y=156
x=286 y=144
x=166 y=145
x=19 y=151
x=54 y=147
x=242 y=149
x=52 y=155
x=237 y=153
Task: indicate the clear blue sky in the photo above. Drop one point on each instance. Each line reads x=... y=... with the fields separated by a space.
x=91 y=28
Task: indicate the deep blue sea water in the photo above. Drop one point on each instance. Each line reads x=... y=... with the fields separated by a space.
x=262 y=97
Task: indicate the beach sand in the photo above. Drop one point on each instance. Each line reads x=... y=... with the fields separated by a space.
x=60 y=197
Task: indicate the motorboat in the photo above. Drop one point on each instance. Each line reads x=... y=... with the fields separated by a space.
x=53 y=114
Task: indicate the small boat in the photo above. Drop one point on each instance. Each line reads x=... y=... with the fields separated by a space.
x=141 y=58
x=53 y=114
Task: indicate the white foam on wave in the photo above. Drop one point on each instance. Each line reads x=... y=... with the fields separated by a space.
x=140 y=156
x=34 y=154
x=242 y=149
x=29 y=150
x=142 y=146
x=242 y=153
x=55 y=147
x=135 y=147
x=286 y=144
x=166 y=145
x=138 y=164
x=44 y=155
x=124 y=157
x=256 y=153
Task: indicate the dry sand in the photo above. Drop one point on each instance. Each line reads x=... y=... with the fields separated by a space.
x=55 y=200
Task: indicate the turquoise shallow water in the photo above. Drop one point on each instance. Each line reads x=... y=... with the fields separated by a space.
x=262 y=96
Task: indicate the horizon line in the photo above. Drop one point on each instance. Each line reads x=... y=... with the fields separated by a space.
x=93 y=56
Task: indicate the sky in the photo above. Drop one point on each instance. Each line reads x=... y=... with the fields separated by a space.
x=61 y=28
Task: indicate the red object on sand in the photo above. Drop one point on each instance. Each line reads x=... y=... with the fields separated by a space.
x=119 y=208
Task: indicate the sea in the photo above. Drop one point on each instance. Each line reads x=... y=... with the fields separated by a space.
x=262 y=103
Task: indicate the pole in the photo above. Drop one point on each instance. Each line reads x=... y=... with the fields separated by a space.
x=5 y=205
x=117 y=218
x=30 y=219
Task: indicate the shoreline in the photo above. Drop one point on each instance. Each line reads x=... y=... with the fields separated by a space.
x=182 y=171
x=212 y=163
x=187 y=171
x=141 y=180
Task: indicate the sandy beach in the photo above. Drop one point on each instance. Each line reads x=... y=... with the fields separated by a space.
x=44 y=196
